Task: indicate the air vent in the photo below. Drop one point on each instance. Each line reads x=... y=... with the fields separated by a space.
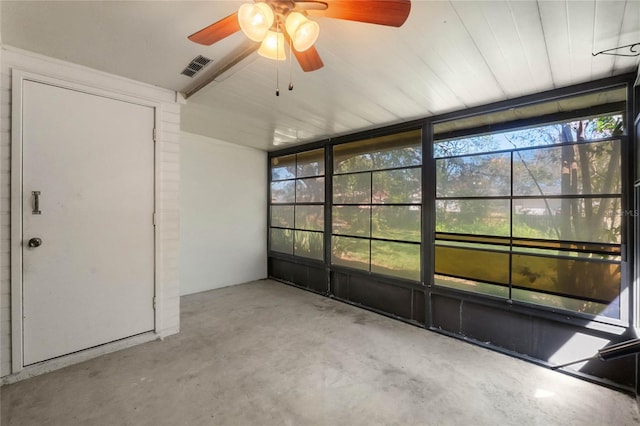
x=195 y=65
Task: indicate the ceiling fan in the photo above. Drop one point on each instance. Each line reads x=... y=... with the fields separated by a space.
x=276 y=22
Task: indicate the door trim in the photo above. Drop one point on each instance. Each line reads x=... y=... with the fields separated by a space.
x=18 y=77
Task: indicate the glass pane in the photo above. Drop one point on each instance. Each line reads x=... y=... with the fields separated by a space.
x=479 y=217
x=611 y=310
x=397 y=150
x=282 y=216
x=601 y=127
x=283 y=191
x=397 y=223
x=570 y=169
x=283 y=167
x=309 y=244
x=349 y=158
x=460 y=239
x=591 y=128
x=282 y=240
x=474 y=286
x=310 y=218
x=351 y=252
x=311 y=163
x=352 y=189
x=568 y=219
x=310 y=190
x=581 y=277
x=397 y=186
x=539 y=171
x=396 y=259
x=405 y=152
x=474 y=176
x=352 y=220
x=480 y=265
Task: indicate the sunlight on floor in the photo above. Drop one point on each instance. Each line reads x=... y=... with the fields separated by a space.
x=543 y=393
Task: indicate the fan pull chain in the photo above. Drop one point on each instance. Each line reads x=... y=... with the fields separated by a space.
x=277 y=60
x=290 y=65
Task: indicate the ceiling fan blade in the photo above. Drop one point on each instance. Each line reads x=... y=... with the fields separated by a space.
x=309 y=60
x=310 y=5
x=217 y=31
x=392 y=13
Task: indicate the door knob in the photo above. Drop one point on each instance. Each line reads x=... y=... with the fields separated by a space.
x=35 y=242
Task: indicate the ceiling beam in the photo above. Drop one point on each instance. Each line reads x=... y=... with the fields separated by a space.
x=224 y=65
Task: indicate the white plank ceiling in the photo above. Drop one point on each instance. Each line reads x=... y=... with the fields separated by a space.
x=449 y=55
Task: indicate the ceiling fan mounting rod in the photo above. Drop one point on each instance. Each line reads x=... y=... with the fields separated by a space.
x=283 y=7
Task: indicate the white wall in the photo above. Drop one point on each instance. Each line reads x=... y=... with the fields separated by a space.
x=223 y=214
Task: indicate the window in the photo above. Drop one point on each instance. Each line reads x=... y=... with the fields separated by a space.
x=297 y=204
x=376 y=205
x=534 y=214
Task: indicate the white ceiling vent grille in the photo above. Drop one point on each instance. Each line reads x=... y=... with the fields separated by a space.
x=195 y=65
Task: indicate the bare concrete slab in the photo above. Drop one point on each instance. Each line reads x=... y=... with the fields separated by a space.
x=265 y=353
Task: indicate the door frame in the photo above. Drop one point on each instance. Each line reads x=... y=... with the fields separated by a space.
x=18 y=77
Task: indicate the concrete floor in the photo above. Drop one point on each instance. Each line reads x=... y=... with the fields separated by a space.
x=265 y=353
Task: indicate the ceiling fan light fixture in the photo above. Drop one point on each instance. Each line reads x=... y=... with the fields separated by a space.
x=272 y=46
x=255 y=20
x=303 y=32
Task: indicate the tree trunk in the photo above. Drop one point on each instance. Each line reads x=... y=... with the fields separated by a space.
x=566 y=279
x=586 y=182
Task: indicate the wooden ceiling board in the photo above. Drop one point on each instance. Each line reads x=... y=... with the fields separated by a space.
x=284 y=110
x=605 y=36
x=528 y=24
x=448 y=50
x=581 y=20
x=353 y=56
x=449 y=55
x=555 y=21
x=629 y=34
x=495 y=28
x=415 y=39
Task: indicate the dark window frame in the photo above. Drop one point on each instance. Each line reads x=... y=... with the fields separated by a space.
x=428 y=174
x=371 y=204
x=294 y=229
x=627 y=146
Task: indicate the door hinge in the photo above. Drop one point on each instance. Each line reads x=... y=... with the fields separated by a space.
x=154 y=219
x=154 y=303
x=155 y=133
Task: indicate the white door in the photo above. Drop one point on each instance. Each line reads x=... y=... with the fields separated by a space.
x=91 y=280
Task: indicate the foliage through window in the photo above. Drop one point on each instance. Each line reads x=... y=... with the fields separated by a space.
x=534 y=214
x=376 y=208
x=297 y=204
